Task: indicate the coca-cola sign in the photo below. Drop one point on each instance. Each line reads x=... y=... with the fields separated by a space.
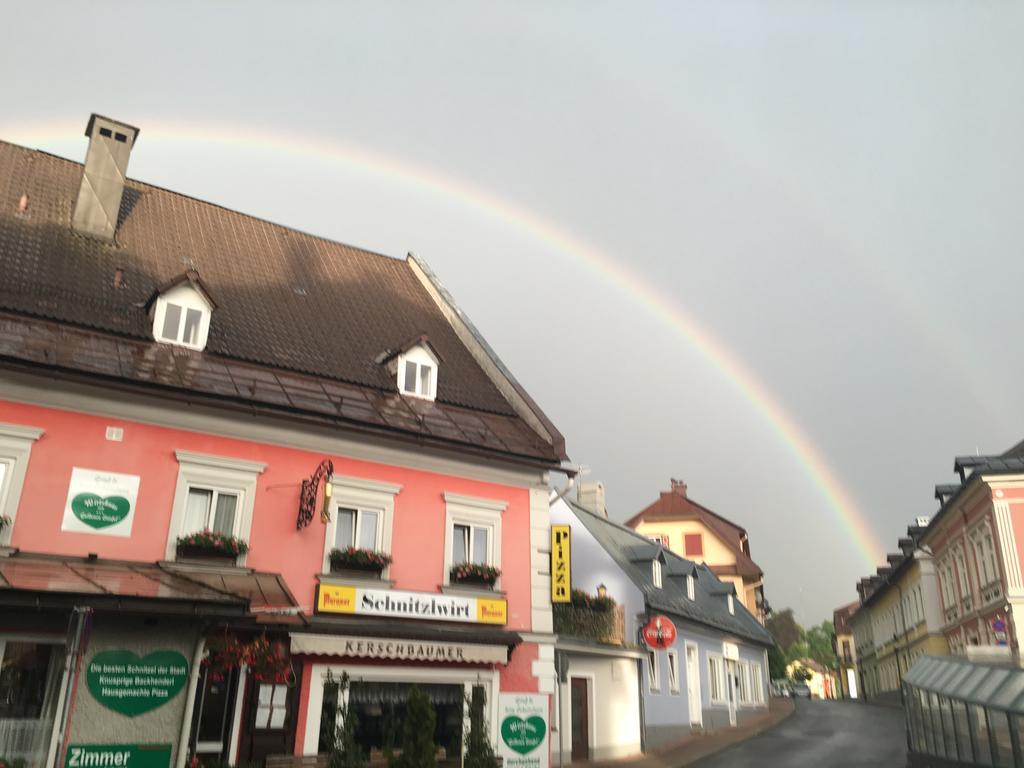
x=660 y=632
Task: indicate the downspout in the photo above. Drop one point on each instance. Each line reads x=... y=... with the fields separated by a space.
x=80 y=616
x=640 y=691
x=190 y=700
x=571 y=473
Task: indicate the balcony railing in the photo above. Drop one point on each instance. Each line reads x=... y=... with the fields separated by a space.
x=991 y=592
x=25 y=739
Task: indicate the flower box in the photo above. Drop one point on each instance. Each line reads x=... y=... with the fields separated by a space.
x=360 y=561
x=211 y=547
x=190 y=552
x=474 y=574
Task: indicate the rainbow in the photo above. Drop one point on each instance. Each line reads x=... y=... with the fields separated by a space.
x=787 y=431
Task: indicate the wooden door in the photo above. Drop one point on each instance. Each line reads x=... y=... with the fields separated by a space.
x=580 y=718
x=270 y=721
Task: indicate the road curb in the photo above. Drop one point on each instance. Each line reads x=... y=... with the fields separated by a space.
x=755 y=731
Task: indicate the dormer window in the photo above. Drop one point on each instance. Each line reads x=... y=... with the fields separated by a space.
x=690 y=587
x=418 y=378
x=417 y=370
x=656 y=573
x=732 y=606
x=181 y=312
x=181 y=324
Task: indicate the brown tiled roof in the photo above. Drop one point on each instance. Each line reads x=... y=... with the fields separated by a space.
x=676 y=505
x=300 y=323
x=841 y=617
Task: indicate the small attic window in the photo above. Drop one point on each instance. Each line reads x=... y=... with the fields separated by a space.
x=732 y=606
x=656 y=572
x=690 y=587
x=181 y=316
x=417 y=372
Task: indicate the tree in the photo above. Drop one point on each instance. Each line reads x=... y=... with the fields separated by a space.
x=798 y=650
x=418 y=750
x=776 y=663
x=784 y=629
x=345 y=751
x=819 y=644
x=479 y=753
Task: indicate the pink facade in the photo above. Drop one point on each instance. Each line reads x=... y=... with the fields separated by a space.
x=75 y=439
x=976 y=541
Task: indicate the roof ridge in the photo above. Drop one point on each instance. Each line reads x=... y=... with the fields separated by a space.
x=193 y=198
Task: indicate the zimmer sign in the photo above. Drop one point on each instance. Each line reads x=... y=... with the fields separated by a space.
x=118 y=756
x=336 y=598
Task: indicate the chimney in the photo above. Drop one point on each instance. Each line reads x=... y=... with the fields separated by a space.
x=678 y=486
x=591 y=497
x=106 y=166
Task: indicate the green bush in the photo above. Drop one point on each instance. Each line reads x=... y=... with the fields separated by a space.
x=479 y=752
x=587 y=616
x=345 y=751
x=418 y=750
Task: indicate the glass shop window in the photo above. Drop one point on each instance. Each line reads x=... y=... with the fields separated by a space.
x=215 y=704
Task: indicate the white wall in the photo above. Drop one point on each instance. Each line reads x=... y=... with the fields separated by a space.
x=614 y=707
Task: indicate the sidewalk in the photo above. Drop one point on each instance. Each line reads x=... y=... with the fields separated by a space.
x=696 y=746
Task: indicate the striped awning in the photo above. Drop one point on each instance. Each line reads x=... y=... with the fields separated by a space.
x=397 y=648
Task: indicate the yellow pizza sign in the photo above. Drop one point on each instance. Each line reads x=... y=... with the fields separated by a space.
x=561 y=564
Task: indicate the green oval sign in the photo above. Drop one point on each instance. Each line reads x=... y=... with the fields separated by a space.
x=100 y=511
x=523 y=735
x=126 y=683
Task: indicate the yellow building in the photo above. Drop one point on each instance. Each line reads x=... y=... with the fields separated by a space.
x=898 y=620
x=820 y=681
x=695 y=532
x=846 y=652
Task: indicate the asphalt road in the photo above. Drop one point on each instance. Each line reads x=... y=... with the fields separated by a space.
x=824 y=733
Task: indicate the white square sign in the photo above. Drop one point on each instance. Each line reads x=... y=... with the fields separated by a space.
x=523 y=730
x=100 y=502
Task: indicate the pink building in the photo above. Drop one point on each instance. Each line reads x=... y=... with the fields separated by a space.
x=975 y=539
x=238 y=461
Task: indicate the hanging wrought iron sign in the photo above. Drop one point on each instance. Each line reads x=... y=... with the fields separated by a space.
x=311 y=492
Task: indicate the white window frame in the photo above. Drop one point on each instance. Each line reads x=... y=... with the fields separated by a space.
x=186 y=297
x=691 y=587
x=420 y=356
x=362 y=494
x=656 y=578
x=732 y=605
x=673 y=670
x=983 y=560
x=201 y=470
x=468 y=678
x=653 y=671
x=473 y=511
x=960 y=564
x=16 y=443
x=757 y=683
x=745 y=696
x=716 y=676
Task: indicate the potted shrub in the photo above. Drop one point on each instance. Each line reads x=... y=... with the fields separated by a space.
x=474 y=573
x=210 y=545
x=356 y=559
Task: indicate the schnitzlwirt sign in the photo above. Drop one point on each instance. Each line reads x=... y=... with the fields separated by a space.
x=337 y=598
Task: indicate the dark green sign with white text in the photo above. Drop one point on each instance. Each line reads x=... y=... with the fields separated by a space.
x=118 y=756
x=126 y=683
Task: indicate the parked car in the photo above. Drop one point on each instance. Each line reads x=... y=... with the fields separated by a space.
x=801 y=691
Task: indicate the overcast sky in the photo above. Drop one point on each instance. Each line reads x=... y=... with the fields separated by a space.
x=830 y=190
